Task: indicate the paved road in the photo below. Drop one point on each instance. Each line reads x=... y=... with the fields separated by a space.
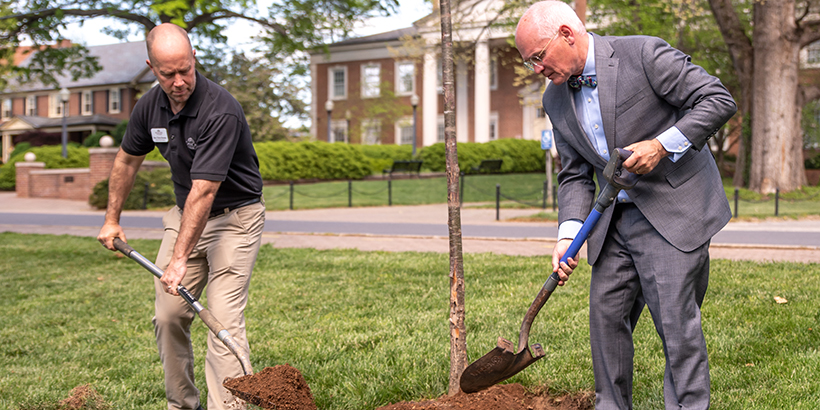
x=411 y=228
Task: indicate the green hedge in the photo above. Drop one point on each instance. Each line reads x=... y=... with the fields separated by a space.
x=381 y=157
x=289 y=161
x=159 y=185
x=50 y=154
x=518 y=155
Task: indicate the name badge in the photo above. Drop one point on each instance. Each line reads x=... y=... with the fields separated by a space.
x=159 y=134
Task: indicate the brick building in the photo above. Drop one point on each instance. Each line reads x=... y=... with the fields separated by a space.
x=34 y=112
x=364 y=88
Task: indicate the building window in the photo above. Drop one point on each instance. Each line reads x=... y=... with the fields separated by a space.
x=440 y=136
x=55 y=105
x=539 y=112
x=337 y=86
x=114 y=105
x=371 y=132
x=813 y=53
x=6 y=112
x=405 y=78
x=371 y=77
x=494 y=74
x=338 y=131
x=493 y=126
x=404 y=131
x=87 y=103
x=31 y=105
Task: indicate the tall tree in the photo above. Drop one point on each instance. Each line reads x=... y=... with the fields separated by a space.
x=298 y=24
x=267 y=94
x=768 y=64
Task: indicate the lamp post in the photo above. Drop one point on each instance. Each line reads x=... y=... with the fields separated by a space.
x=414 y=101
x=329 y=109
x=64 y=95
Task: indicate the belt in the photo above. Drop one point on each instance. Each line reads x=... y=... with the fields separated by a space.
x=223 y=211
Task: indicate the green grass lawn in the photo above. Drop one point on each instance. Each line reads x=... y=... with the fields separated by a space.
x=370 y=328
x=516 y=191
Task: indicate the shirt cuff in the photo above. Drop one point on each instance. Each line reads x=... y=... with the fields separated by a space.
x=569 y=229
x=674 y=142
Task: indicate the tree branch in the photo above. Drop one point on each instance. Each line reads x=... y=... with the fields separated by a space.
x=226 y=14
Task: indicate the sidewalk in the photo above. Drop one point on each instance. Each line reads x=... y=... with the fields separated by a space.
x=436 y=214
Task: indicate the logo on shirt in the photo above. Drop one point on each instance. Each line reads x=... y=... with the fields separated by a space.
x=190 y=143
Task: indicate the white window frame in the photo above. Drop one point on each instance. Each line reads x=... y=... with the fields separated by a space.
x=331 y=83
x=440 y=135
x=371 y=132
x=55 y=106
x=6 y=109
x=114 y=100
x=31 y=105
x=400 y=83
x=493 y=132
x=369 y=89
x=339 y=128
x=400 y=125
x=87 y=102
x=493 y=126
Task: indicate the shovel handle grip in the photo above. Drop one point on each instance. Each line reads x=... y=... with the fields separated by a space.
x=123 y=247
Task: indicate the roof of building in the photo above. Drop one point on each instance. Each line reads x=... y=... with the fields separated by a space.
x=121 y=63
x=45 y=122
x=388 y=36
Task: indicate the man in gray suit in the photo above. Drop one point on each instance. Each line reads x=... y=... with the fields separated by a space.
x=652 y=247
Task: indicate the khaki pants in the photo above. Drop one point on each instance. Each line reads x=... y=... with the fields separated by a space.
x=223 y=259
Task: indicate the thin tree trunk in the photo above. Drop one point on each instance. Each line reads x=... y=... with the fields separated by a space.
x=458 y=333
x=777 y=158
x=742 y=53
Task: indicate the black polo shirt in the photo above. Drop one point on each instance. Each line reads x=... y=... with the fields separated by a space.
x=209 y=139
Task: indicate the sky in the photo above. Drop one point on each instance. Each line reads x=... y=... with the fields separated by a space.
x=241 y=32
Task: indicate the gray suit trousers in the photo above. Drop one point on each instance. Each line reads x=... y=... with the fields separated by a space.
x=638 y=267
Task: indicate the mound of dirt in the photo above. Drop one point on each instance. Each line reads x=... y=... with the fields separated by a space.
x=500 y=397
x=83 y=397
x=280 y=387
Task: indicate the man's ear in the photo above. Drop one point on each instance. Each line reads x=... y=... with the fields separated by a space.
x=567 y=33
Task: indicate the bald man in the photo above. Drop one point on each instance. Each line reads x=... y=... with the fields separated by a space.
x=212 y=235
x=652 y=247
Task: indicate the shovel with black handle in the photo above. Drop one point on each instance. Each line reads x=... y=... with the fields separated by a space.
x=204 y=314
x=503 y=361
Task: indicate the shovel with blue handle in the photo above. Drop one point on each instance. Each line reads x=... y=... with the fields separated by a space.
x=504 y=361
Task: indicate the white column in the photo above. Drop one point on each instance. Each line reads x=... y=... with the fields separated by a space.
x=462 y=102
x=482 y=92
x=429 y=103
x=6 y=144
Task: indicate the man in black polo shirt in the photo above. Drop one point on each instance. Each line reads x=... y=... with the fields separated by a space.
x=213 y=234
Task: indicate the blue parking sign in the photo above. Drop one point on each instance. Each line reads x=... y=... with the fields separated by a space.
x=546 y=139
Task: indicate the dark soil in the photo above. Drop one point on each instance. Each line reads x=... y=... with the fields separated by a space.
x=500 y=397
x=280 y=387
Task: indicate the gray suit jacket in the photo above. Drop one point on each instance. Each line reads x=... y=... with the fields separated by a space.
x=645 y=87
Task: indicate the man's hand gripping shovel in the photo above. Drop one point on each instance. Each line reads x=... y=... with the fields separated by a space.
x=503 y=361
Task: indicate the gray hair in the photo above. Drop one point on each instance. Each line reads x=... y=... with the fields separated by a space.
x=550 y=15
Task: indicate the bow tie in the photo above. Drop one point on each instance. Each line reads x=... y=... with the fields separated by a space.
x=576 y=81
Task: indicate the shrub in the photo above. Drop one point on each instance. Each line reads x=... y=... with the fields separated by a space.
x=159 y=185
x=381 y=157
x=813 y=162
x=287 y=161
x=93 y=140
x=518 y=155
x=51 y=155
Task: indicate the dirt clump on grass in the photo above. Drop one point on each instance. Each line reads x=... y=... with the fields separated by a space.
x=280 y=387
x=500 y=397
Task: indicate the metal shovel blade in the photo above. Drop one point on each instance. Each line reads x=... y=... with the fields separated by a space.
x=498 y=365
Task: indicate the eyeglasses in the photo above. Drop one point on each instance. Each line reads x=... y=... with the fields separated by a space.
x=538 y=58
